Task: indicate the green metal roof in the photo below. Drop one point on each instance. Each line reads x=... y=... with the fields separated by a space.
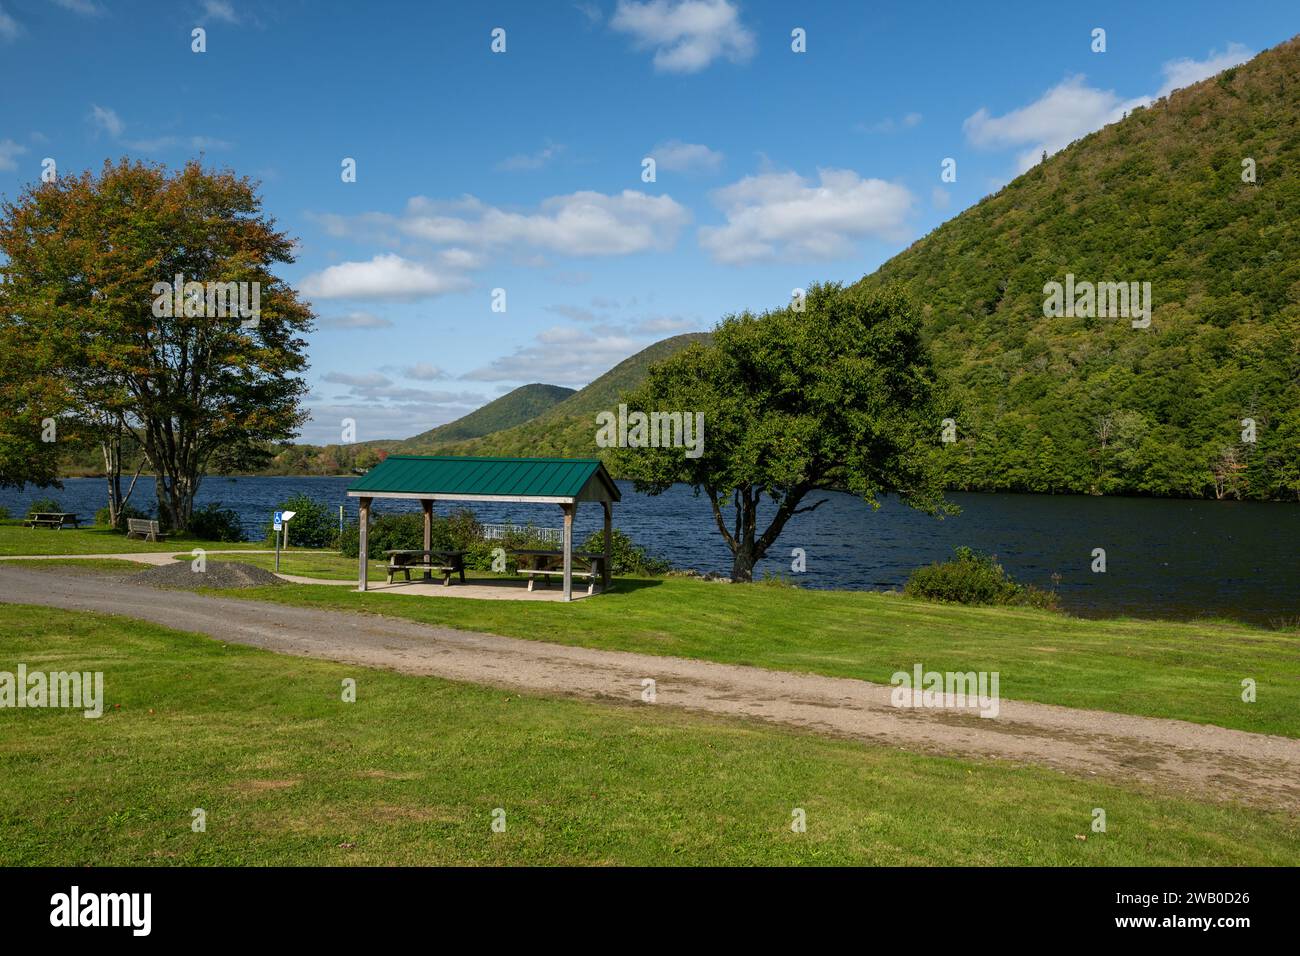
x=503 y=477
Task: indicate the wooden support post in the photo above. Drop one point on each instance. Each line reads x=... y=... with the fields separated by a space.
x=568 y=550
x=609 y=544
x=428 y=535
x=363 y=541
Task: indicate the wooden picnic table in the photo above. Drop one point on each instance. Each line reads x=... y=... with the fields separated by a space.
x=52 y=519
x=408 y=559
x=545 y=563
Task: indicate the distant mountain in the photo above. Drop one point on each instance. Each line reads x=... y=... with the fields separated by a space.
x=1198 y=195
x=514 y=408
x=568 y=429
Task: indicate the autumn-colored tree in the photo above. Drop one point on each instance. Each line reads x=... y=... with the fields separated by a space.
x=196 y=386
x=31 y=406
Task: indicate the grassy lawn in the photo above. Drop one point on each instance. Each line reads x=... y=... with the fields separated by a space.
x=18 y=539
x=105 y=565
x=328 y=565
x=1188 y=671
x=411 y=772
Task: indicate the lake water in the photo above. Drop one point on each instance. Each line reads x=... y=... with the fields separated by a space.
x=1164 y=558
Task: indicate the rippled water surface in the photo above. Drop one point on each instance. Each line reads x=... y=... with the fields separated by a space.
x=1164 y=557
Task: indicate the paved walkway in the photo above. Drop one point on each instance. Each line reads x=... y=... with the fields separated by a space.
x=503 y=590
x=1207 y=762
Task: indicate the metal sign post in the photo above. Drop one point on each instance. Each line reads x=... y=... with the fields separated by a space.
x=282 y=524
x=278 y=527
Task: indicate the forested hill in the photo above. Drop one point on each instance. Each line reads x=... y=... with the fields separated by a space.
x=520 y=405
x=569 y=427
x=1093 y=404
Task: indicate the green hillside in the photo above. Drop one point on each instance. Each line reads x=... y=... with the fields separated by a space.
x=1093 y=404
x=523 y=404
x=569 y=429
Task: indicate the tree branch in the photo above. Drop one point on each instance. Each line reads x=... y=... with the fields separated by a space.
x=717 y=517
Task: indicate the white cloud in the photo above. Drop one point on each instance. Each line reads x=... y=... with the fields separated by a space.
x=663 y=325
x=383 y=277
x=1073 y=109
x=561 y=355
x=676 y=156
x=386 y=418
x=575 y=313
x=355 y=320
x=107 y=120
x=9 y=150
x=536 y=160
x=382 y=409
x=1185 y=72
x=170 y=142
x=686 y=35
x=423 y=372
x=1061 y=115
x=9 y=28
x=783 y=215
x=366 y=380
x=220 y=10
x=890 y=125
x=579 y=224
x=84 y=7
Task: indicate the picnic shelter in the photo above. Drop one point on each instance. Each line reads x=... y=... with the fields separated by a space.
x=566 y=482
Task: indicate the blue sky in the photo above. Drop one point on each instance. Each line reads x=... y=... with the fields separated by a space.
x=523 y=170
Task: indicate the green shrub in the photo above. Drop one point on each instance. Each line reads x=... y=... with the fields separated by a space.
x=479 y=554
x=44 y=504
x=312 y=525
x=974 y=578
x=394 y=532
x=626 y=556
x=461 y=531
x=128 y=511
x=4 y=513
x=464 y=529
x=215 y=523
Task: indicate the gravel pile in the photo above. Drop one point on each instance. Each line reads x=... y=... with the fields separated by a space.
x=219 y=574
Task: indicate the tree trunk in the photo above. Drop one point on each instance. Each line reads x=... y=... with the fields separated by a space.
x=742 y=565
x=745 y=549
x=113 y=475
x=111 y=445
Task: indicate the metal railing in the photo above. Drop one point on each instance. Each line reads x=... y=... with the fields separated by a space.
x=495 y=532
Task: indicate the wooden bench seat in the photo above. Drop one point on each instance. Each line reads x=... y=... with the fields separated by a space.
x=144 y=528
x=546 y=576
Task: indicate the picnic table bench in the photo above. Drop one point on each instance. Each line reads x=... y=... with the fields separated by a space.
x=52 y=519
x=445 y=563
x=146 y=528
x=544 y=564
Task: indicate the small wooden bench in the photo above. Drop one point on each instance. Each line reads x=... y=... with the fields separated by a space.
x=145 y=528
x=543 y=565
x=52 y=519
x=445 y=563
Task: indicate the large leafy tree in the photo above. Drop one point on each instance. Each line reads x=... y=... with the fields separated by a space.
x=196 y=391
x=839 y=396
x=29 y=400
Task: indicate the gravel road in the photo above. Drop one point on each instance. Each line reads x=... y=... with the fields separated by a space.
x=1203 y=761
